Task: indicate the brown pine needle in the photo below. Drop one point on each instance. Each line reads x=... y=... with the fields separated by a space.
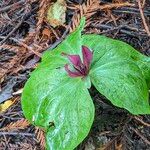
x=41 y=16
x=27 y=47
x=144 y=1
x=141 y=136
x=86 y=10
x=20 y=124
x=90 y=8
x=115 y=5
x=141 y=121
x=143 y=18
x=39 y=133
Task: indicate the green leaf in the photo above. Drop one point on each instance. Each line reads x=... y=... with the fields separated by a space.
x=62 y=105
x=50 y=96
x=144 y=65
x=120 y=49
x=56 y=102
x=117 y=75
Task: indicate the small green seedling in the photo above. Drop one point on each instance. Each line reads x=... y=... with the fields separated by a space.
x=56 y=96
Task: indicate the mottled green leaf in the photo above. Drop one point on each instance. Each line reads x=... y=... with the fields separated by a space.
x=62 y=105
x=117 y=73
x=50 y=96
x=56 y=102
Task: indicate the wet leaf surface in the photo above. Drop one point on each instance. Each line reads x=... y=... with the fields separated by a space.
x=123 y=23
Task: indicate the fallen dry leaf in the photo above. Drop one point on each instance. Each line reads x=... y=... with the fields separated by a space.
x=56 y=14
x=6 y=105
x=46 y=32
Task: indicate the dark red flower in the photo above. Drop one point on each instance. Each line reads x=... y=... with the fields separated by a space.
x=80 y=69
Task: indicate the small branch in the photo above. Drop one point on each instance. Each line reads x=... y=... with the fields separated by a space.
x=141 y=136
x=131 y=10
x=24 y=17
x=11 y=6
x=14 y=29
x=23 y=44
x=109 y=28
x=144 y=1
x=59 y=40
x=143 y=18
x=115 y=5
x=41 y=15
x=27 y=47
x=17 y=133
x=90 y=8
x=104 y=133
x=141 y=121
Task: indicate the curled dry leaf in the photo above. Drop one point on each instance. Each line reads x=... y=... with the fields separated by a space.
x=56 y=13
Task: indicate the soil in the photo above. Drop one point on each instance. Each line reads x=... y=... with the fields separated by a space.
x=25 y=34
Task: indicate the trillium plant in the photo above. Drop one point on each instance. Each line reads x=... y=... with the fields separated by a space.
x=56 y=96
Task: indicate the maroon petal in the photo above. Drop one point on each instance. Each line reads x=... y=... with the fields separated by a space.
x=72 y=73
x=87 y=56
x=75 y=59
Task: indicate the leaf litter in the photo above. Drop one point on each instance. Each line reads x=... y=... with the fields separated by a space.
x=124 y=20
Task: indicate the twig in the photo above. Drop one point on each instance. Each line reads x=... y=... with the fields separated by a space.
x=109 y=144
x=54 y=32
x=11 y=6
x=115 y=5
x=10 y=33
x=17 y=133
x=143 y=3
x=90 y=8
x=143 y=18
x=23 y=44
x=141 y=136
x=41 y=16
x=59 y=40
x=28 y=47
x=141 y=121
x=10 y=47
x=104 y=26
x=131 y=10
x=104 y=132
x=18 y=92
x=18 y=25
x=86 y=9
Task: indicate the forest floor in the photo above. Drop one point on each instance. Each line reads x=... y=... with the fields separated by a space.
x=26 y=32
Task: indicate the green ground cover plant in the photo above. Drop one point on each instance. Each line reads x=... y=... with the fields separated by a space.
x=56 y=96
